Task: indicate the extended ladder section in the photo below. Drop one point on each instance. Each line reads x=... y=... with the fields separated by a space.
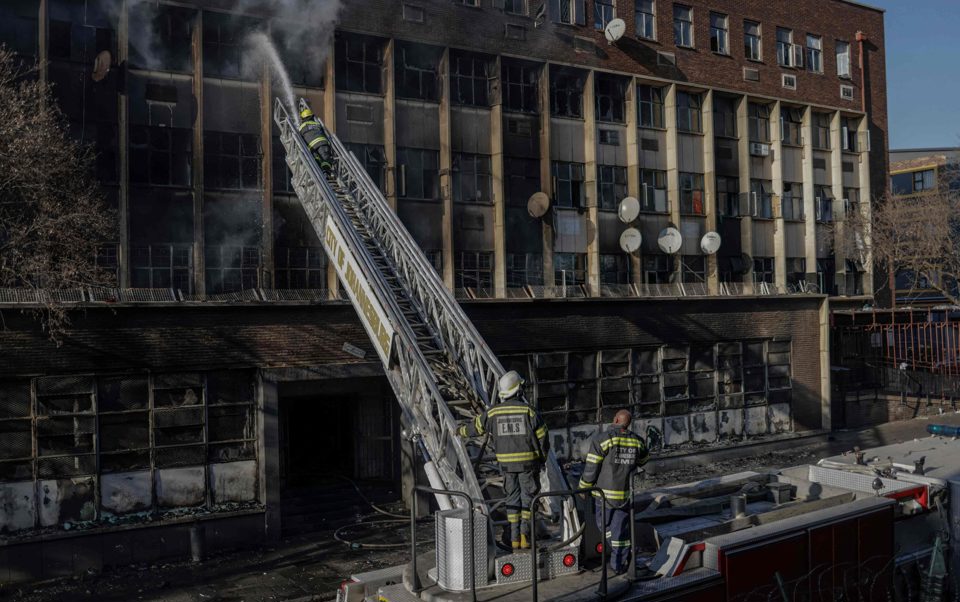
x=438 y=365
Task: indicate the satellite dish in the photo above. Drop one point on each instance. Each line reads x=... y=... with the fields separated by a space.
x=630 y=240
x=538 y=204
x=101 y=65
x=710 y=243
x=669 y=240
x=615 y=30
x=629 y=209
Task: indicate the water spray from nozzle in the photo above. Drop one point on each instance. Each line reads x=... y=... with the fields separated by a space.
x=261 y=43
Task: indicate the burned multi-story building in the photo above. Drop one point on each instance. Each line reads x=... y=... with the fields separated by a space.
x=224 y=372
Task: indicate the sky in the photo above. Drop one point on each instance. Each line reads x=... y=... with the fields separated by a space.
x=923 y=72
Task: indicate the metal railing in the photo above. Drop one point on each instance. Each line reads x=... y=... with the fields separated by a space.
x=416 y=585
x=534 y=561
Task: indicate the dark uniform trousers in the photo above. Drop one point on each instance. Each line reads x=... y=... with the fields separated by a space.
x=520 y=489
x=617 y=532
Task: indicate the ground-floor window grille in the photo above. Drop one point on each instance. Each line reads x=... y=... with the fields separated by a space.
x=162 y=266
x=615 y=269
x=231 y=268
x=474 y=269
x=301 y=268
x=570 y=269
x=524 y=269
x=657 y=269
x=763 y=269
x=65 y=427
x=16 y=431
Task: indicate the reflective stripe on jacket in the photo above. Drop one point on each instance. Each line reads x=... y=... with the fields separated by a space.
x=312 y=133
x=613 y=457
x=519 y=434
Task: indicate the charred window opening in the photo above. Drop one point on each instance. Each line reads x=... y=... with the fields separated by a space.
x=282 y=176
x=694 y=268
x=520 y=83
x=417 y=72
x=614 y=269
x=108 y=261
x=611 y=186
x=305 y=66
x=359 y=63
x=657 y=268
x=66 y=427
x=231 y=161
x=689 y=116
x=19 y=26
x=724 y=116
x=650 y=106
x=524 y=269
x=301 y=268
x=791 y=126
x=124 y=414
x=232 y=229
x=470 y=77
x=162 y=266
x=826 y=275
x=232 y=268
x=160 y=156
x=419 y=173
x=474 y=269
x=178 y=420
x=728 y=196
x=691 y=194
x=472 y=178
x=611 y=98
x=373 y=159
x=703 y=382
x=759 y=120
x=569 y=185
x=570 y=269
x=160 y=37
x=521 y=180
x=224 y=51
x=231 y=416
x=16 y=431
x=764 y=269
x=566 y=93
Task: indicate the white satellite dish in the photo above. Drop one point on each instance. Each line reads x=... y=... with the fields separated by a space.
x=615 y=30
x=538 y=204
x=630 y=240
x=669 y=240
x=629 y=209
x=710 y=243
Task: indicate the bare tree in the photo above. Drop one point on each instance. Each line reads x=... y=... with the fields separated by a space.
x=920 y=235
x=52 y=215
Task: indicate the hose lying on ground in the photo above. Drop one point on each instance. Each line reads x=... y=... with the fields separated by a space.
x=365 y=522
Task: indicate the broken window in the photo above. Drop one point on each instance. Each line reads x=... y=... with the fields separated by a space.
x=653 y=191
x=472 y=178
x=231 y=268
x=521 y=179
x=178 y=420
x=702 y=373
x=162 y=266
x=416 y=72
x=373 y=159
x=231 y=415
x=791 y=126
x=728 y=196
x=611 y=98
x=614 y=269
x=231 y=161
x=124 y=422
x=359 y=63
x=473 y=269
x=791 y=202
x=161 y=156
x=160 y=37
x=66 y=427
x=524 y=269
x=568 y=185
x=570 y=269
x=646 y=382
x=282 y=176
x=796 y=271
x=763 y=269
x=758 y=116
x=730 y=375
x=650 y=106
x=611 y=186
x=689 y=117
x=657 y=268
x=778 y=371
x=19 y=27
x=225 y=53
x=724 y=116
x=676 y=387
x=419 y=173
x=821 y=131
x=520 y=87
x=848 y=134
x=694 y=268
x=824 y=203
x=469 y=79
x=305 y=67
x=300 y=268
x=691 y=194
x=566 y=93
x=16 y=431
x=761 y=199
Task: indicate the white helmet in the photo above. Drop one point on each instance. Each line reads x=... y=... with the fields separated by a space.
x=510 y=384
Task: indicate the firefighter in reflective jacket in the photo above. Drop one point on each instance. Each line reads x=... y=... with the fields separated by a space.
x=613 y=458
x=520 y=440
x=316 y=138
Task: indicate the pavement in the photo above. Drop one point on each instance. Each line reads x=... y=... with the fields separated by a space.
x=310 y=567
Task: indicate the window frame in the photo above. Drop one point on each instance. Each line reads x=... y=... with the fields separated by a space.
x=693 y=109
x=611 y=186
x=785 y=56
x=845 y=66
x=720 y=33
x=646 y=20
x=648 y=191
x=682 y=26
x=604 y=11
x=654 y=104
x=814 y=53
x=572 y=95
x=753 y=42
x=475 y=166
x=690 y=183
x=570 y=174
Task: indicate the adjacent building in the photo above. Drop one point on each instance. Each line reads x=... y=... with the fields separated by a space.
x=198 y=387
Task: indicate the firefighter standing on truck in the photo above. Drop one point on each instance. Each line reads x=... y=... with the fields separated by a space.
x=316 y=138
x=612 y=460
x=520 y=440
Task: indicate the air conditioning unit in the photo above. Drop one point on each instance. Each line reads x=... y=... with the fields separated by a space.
x=759 y=149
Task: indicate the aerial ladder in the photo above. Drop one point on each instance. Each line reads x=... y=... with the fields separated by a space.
x=439 y=367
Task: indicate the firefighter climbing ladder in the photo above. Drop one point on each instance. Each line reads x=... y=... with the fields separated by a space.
x=439 y=367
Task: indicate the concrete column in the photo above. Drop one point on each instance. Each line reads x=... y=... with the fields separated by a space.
x=499 y=199
x=634 y=188
x=839 y=231
x=546 y=173
x=199 y=282
x=330 y=121
x=866 y=202
x=266 y=208
x=446 y=175
x=590 y=183
x=809 y=200
x=673 y=166
x=269 y=454
x=779 y=227
x=123 y=201
x=710 y=187
x=390 y=126
x=746 y=219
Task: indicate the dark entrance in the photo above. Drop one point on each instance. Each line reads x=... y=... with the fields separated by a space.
x=337 y=446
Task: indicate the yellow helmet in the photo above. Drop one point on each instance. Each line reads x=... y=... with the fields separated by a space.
x=306 y=113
